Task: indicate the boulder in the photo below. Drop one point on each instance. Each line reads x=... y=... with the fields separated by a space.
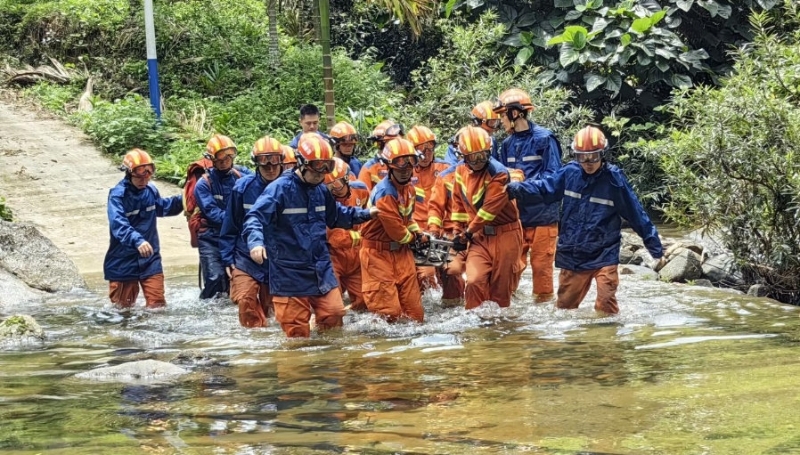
x=35 y=260
x=20 y=325
x=723 y=270
x=758 y=290
x=710 y=240
x=13 y=291
x=135 y=372
x=682 y=267
x=702 y=282
x=627 y=253
x=641 y=257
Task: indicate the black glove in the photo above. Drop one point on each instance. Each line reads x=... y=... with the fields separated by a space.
x=421 y=240
x=460 y=242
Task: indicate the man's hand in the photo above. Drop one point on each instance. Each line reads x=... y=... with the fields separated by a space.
x=460 y=241
x=373 y=212
x=145 y=249
x=229 y=270
x=258 y=254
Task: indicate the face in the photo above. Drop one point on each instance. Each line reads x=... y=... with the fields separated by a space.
x=477 y=161
x=346 y=149
x=590 y=162
x=402 y=176
x=426 y=153
x=270 y=171
x=309 y=123
x=508 y=125
x=311 y=177
x=338 y=187
x=223 y=160
x=140 y=176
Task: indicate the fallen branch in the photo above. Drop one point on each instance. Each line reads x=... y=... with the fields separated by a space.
x=30 y=75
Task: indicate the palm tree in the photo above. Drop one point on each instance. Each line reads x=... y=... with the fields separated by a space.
x=411 y=12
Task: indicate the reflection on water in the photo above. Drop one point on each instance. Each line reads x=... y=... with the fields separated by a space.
x=683 y=370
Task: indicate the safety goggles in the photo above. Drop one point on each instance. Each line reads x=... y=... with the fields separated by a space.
x=404 y=162
x=145 y=170
x=224 y=155
x=493 y=123
x=394 y=131
x=426 y=147
x=321 y=166
x=272 y=159
x=477 y=157
x=337 y=185
x=588 y=157
x=349 y=139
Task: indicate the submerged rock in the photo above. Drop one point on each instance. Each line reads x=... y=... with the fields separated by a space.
x=684 y=265
x=35 y=260
x=139 y=371
x=20 y=327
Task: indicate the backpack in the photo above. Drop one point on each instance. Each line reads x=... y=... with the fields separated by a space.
x=197 y=223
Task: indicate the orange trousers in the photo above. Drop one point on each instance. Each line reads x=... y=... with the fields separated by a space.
x=391 y=288
x=347 y=267
x=452 y=279
x=426 y=276
x=252 y=298
x=573 y=286
x=123 y=294
x=540 y=242
x=492 y=263
x=294 y=312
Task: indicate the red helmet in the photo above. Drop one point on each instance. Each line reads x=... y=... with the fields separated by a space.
x=589 y=145
x=475 y=145
x=344 y=133
x=399 y=154
x=513 y=98
x=419 y=135
x=314 y=152
x=385 y=131
x=218 y=144
x=267 y=150
x=137 y=162
x=288 y=155
x=483 y=114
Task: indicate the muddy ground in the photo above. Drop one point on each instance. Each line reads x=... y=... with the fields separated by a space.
x=54 y=178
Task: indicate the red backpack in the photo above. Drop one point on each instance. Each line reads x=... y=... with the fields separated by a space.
x=197 y=223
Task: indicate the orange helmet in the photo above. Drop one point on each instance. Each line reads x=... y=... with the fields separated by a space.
x=513 y=98
x=219 y=143
x=419 y=135
x=483 y=114
x=289 y=158
x=267 y=150
x=589 y=145
x=344 y=133
x=475 y=145
x=315 y=152
x=341 y=170
x=399 y=153
x=138 y=162
x=385 y=131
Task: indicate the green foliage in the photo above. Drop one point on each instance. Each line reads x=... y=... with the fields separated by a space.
x=60 y=99
x=124 y=124
x=467 y=71
x=5 y=212
x=730 y=160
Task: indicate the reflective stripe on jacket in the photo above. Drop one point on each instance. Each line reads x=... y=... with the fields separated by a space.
x=132 y=221
x=232 y=245
x=212 y=195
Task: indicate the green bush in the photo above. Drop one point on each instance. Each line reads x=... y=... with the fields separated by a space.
x=730 y=161
x=5 y=212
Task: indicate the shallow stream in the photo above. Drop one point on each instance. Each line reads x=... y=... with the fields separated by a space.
x=682 y=370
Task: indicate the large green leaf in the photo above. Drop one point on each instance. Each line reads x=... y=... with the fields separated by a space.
x=625 y=39
x=767 y=4
x=710 y=5
x=685 y=5
x=662 y=65
x=680 y=81
x=568 y=55
x=613 y=82
x=657 y=16
x=572 y=15
x=523 y=55
x=579 y=39
x=593 y=81
x=641 y=25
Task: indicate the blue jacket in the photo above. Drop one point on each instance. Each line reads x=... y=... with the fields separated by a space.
x=452 y=158
x=537 y=153
x=296 y=140
x=355 y=165
x=592 y=212
x=132 y=221
x=213 y=199
x=232 y=244
x=289 y=220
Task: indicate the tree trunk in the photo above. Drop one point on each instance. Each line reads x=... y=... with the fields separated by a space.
x=327 y=62
x=316 y=8
x=274 y=51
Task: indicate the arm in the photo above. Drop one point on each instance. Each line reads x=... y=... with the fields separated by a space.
x=631 y=209
x=531 y=191
x=168 y=206
x=494 y=200
x=262 y=214
x=392 y=222
x=436 y=205
x=458 y=211
x=551 y=158
x=231 y=227
x=121 y=228
x=342 y=216
x=207 y=204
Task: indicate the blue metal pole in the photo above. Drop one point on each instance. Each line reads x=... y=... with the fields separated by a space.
x=152 y=61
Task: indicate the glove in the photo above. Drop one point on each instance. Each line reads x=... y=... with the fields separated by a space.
x=421 y=240
x=461 y=241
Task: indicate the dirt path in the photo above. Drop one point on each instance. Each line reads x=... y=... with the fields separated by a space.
x=54 y=178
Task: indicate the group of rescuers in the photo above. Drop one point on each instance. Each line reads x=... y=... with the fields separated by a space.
x=312 y=222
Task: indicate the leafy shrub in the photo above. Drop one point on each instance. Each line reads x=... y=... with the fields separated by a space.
x=730 y=162
x=61 y=99
x=5 y=212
